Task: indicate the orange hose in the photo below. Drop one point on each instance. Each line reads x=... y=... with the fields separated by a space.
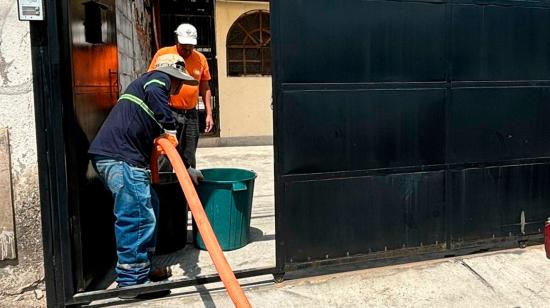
x=205 y=229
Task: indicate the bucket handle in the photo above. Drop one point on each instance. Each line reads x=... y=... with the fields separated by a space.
x=238 y=186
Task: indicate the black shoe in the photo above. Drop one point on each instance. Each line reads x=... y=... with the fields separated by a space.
x=160 y=273
x=150 y=295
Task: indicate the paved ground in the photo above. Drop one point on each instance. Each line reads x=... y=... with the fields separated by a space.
x=512 y=278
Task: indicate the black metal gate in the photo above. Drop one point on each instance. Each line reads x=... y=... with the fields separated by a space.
x=409 y=127
x=401 y=128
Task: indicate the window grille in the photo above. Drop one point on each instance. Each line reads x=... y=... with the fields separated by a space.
x=249 y=45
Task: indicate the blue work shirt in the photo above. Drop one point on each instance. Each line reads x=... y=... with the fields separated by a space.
x=128 y=132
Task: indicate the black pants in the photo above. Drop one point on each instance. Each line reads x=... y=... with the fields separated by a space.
x=187 y=126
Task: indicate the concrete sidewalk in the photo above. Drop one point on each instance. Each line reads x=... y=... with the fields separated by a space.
x=511 y=278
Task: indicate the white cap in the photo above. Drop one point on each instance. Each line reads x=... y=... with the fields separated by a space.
x=187 y=34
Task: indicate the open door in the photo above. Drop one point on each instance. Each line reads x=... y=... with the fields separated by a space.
x=95 y=90
x=201 y=15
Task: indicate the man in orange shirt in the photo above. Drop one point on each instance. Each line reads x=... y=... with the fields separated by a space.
x=184 y=103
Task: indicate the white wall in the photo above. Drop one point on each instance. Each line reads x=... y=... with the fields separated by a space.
x=244 y=101
x=21 y=281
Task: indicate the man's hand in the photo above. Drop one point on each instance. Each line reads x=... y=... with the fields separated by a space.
x=209 y=123
x=171 y=136
x=196 y=175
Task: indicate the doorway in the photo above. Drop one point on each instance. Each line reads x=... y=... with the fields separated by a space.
x=201 y=15
x=93 y=253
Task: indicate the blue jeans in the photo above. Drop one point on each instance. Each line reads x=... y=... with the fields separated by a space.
x=136 y=211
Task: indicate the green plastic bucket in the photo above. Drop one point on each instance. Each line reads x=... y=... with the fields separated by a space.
x=226 y=195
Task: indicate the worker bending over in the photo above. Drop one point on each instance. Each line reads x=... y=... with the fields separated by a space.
x=121 y=153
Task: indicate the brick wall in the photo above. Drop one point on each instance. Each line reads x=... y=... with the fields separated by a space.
x=134 y=33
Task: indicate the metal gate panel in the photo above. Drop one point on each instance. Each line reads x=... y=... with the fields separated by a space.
x=500 y=43
x=498 y=202
x=362 y=129
x=361 y=41
x=339 y=217
x=498 y=124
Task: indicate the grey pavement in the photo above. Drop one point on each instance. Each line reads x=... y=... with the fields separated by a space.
x=510 y=278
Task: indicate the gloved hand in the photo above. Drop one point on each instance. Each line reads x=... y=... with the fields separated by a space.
x=171 y=136
x=196 y=175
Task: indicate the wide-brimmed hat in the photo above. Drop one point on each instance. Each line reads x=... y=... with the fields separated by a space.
x=187 y=34
x=174 y=65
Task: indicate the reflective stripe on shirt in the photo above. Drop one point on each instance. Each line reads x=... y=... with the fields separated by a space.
x=136 y=100
x=154 y=81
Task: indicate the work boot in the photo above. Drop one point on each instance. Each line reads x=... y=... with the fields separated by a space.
x=160 y=273
x=143 y=295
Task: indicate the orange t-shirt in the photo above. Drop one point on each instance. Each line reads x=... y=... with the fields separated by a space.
x=197 y=66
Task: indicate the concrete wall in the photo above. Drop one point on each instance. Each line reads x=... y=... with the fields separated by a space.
x=244 y=101
x=134 y=33
x=21 y=280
